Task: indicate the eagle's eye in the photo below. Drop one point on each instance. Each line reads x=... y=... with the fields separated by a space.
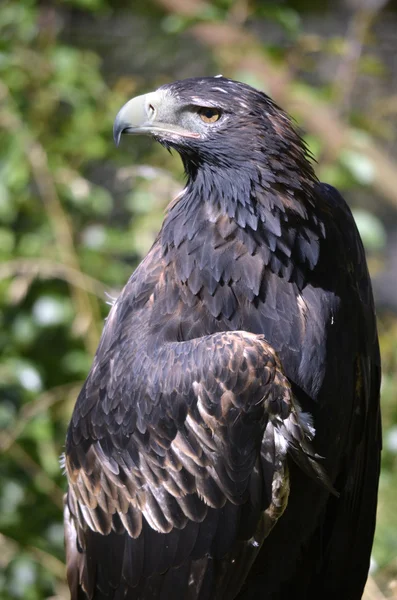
x=209 y=115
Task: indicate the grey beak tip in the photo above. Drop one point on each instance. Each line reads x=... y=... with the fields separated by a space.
x=117 y=131
x=116 y=137
x=118 y=128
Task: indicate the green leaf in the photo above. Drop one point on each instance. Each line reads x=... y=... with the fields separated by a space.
x=359 y=165
x=371 y=229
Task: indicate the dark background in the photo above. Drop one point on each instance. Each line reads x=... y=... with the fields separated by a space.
x=77 y=214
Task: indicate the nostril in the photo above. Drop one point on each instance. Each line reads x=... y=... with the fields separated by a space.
x=150 y=110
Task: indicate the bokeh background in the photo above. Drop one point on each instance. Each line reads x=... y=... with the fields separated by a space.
x=77 y=214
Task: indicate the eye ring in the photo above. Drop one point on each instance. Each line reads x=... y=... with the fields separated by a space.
x=209 y=114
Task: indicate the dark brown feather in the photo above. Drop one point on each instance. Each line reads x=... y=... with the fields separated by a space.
x=235 y=386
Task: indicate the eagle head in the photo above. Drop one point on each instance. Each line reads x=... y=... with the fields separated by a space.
x=216 y=122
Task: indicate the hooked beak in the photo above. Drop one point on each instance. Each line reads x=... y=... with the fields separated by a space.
x=150 y=114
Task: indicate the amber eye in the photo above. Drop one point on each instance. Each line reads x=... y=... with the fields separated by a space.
x=209 y=115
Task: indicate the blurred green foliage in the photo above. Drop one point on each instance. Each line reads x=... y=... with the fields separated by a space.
x=76 y=215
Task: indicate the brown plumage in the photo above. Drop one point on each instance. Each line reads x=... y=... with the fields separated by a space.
x=236 y=384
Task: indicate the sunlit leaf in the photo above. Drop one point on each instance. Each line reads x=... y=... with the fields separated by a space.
x=371 y=229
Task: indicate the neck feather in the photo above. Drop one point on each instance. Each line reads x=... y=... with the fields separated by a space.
x=251 y=211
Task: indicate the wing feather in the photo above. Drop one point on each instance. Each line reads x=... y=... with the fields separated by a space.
x=187 y=481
